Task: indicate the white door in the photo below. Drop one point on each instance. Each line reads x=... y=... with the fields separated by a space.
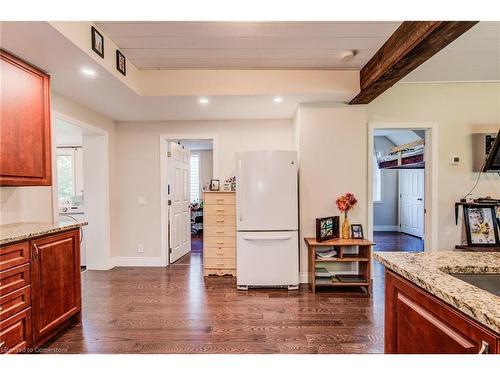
x=178 y=200
x=411 y=201
x=266 y=194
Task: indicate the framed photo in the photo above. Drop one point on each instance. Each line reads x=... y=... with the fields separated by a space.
x=121 y=63
x=327 y=228
x=97 y=42
x=214 y=185
x=357 y=231
x=481 y=226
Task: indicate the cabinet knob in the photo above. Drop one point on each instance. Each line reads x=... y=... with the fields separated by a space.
x=485 y=348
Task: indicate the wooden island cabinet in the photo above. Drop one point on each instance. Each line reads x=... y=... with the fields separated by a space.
x=40 y=290
x=417 y=322
x=25 y=145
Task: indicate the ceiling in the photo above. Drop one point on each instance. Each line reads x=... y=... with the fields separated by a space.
x=475 y=56
x=247 y=45
x=398 y=137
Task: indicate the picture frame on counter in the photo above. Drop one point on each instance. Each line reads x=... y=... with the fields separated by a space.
x=97 y=41
x=214 y=185
x=481 y=227
x=327 y=228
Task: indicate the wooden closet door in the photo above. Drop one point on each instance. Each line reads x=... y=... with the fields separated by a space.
x=25 y=156
x=55 y=281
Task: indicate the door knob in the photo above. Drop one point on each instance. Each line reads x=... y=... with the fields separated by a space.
x=419 y=199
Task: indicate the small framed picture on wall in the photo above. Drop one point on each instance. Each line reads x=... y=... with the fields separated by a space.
x=97 y=41
x=357 y=231
x=121 y=63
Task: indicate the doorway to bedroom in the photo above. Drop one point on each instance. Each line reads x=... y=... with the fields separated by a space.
x=399 y=189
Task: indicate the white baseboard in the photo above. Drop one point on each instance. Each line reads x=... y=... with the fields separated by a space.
x=386 y=228
x=138 y=262
x=303 y=277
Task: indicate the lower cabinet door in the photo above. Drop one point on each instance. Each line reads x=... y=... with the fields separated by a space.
x=416 y=322
x=15 y=332
x=55 y=281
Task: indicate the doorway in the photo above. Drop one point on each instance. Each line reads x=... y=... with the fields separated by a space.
x=80 y=188
x=402 y=180
x=187 y=166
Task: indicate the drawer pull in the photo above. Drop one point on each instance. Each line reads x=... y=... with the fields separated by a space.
x=219 y=199
x=219 y=210
x=220 y=264
x=220 y=242
x=220 y=253
x=485 y=348
x=220 y=232
x=220 y=221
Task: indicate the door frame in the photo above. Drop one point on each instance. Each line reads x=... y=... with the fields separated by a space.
x=165 y=139
x=104 y=261
x=431 y=176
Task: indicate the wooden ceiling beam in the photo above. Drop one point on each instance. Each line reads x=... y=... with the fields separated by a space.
x=413 y=43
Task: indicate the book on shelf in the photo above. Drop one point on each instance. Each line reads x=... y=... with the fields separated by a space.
x=326 y=253
x=322 y=272
x=351 y=278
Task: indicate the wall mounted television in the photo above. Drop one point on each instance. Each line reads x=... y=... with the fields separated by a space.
x=492 y=163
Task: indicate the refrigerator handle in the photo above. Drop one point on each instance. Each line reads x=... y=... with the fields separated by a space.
x=282 y=238
x=240 y=188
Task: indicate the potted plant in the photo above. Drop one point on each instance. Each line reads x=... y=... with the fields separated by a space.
x=345 y=203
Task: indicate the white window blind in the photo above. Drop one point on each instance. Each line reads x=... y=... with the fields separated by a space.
x=195 y=178
x=377 y=181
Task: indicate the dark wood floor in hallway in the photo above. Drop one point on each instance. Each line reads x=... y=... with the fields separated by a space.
x=176 y=310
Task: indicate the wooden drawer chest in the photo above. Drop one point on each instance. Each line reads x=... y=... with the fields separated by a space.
x=219 y=233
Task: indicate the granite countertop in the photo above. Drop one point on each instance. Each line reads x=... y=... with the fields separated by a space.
x=430 y=271
x=15 y=232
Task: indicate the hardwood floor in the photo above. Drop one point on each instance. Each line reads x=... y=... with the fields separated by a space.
x=176 y=310
x=397 y=241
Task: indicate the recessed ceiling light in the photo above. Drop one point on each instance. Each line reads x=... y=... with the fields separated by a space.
x=278 y=99
x=203 y=100
x=88 y=72
x=348 y=56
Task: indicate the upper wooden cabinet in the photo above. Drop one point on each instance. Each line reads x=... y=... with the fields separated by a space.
x=25 y=147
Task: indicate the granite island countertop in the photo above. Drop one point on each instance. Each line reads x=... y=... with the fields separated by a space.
x=430 y=271
x=16 y=232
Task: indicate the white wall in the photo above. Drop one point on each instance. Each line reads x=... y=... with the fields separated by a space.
x=385 y=213
x=138 y=169
x=460 y=109
x=206 y=166
x=332 y=141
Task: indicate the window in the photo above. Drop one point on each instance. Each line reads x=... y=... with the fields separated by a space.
x=195 y=178
x=65 y=176
x=377 y=181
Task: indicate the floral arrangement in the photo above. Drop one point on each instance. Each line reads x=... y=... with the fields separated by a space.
x=346 y=202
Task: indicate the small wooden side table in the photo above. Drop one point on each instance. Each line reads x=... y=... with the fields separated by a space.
x=363 y=257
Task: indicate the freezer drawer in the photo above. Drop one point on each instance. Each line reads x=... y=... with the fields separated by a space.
x=267 y=259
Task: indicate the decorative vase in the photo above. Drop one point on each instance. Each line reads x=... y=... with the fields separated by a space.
x=346 y=227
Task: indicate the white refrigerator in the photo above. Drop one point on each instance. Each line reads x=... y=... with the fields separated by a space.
x=267 y=253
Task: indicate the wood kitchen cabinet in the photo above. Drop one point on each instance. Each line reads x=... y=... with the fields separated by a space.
x=25 y=144
x=40 y=290
x=417 y=322
x=55 y=282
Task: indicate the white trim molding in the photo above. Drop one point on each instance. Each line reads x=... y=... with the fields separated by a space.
x=431 y=176
x=138 y=262
x=386 y=228
x=164 y=178
x=304 y=277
